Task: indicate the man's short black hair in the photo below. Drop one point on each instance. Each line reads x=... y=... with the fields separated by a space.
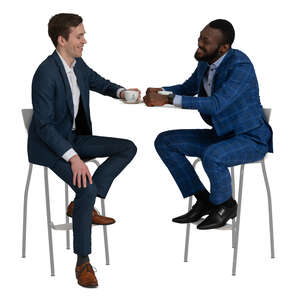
x=226 y=28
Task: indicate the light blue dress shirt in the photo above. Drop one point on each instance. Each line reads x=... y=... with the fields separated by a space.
x=207 y=80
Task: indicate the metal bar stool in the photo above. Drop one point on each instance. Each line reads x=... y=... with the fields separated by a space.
x=235 y=226
x=27 y=116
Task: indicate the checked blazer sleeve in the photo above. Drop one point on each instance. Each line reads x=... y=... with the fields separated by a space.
x=188 y=88
x=237 y=81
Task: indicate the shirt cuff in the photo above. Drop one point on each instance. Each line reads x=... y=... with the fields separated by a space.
x=69 y=154
x=177 y=101
x=119 y=92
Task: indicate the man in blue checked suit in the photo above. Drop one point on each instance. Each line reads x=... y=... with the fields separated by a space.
x=60 y=135
x=228 y=100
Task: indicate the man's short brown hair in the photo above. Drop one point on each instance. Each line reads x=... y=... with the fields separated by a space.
x=60 y=24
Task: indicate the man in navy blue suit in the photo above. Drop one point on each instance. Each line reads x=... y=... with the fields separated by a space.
x=60 y=135
x=228 y=100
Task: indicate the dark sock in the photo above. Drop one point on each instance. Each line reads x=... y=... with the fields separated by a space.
x=82 y=259
x=230 y=203
x=202 y=196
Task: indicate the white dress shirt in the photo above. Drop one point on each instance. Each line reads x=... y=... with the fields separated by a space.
x=75 y=90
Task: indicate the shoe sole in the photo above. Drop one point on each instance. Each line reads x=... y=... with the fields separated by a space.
x=215 y=227
x=89 y=286
x=190 y=221
x=187 y=222
x=94 y=223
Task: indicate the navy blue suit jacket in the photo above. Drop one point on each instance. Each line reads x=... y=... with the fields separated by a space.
x=234 y=106
x=50 y=132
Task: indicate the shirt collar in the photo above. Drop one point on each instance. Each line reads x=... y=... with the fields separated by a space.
x=66 y=66
x=216 y=64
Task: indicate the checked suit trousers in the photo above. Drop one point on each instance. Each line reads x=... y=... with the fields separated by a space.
x=217 y=153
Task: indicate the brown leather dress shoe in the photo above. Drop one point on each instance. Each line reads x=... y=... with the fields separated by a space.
x=86 y=275
x=96 y=218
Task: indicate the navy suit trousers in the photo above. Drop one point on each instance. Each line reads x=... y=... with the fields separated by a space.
x=217 y=153
x=119 y=152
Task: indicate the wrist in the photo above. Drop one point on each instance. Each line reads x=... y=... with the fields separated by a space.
x=74 y=158
x=170 y=98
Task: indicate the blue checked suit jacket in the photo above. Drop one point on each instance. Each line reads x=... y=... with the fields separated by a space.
x=234 y=106
x=50 y=131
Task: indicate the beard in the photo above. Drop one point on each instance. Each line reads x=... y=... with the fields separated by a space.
x=207 y=57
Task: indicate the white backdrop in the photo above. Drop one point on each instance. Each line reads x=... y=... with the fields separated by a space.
x=141 y=44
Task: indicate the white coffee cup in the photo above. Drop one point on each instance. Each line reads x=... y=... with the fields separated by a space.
x=165 y=93
x=131 y=96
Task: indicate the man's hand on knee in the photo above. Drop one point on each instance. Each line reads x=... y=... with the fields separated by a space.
x=80 y=172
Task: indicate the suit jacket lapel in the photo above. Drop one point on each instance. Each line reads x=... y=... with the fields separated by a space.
x=203 y=70
x=68 y=93
x=221 y=68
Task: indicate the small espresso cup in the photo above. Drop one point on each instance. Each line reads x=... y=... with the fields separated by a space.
x=131 y=96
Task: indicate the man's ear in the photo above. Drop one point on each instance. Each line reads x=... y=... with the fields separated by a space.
x=224 y=48
x=60 y=40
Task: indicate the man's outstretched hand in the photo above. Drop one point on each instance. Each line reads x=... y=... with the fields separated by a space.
x=152 y=98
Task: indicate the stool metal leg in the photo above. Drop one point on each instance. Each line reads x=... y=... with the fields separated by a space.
x=237 y=223
x=270 y=208
x=104 y=226
x=187 y=233
x=188 y=224
x=66 y=217
x=233 y=195
x=233 y=182
x=105 y=233
x=25 y=210
x=48 y=221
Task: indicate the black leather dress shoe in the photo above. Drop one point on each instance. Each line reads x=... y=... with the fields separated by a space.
x=200 y=209
x=219 y=217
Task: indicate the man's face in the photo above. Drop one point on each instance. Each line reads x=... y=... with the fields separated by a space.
x=75 y=43
x=209 y=43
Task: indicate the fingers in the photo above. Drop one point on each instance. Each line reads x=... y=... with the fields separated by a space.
x=80 y=174
x=74 y=178
x=90 y=177
x=84 y=177
x=79 y=180
x=145 y=99
x=148 y=100
x=153 y=90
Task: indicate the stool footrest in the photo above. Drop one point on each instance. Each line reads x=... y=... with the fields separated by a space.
x=65 y=226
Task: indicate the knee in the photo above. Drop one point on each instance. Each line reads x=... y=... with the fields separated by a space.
x=88 y=193
x=161 y=140
x=131 y=148
x=210 y=157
